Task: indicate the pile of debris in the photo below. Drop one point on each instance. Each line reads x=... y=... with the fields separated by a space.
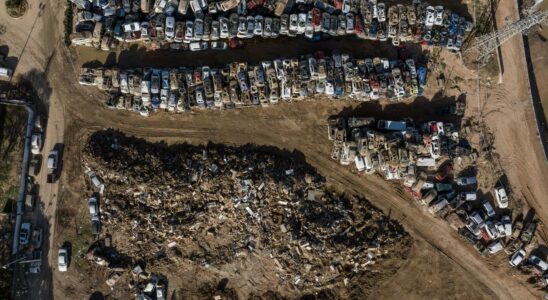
x=241 y=84
x=104 y=24
x=212 y=206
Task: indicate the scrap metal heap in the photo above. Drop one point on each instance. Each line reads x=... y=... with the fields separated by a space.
x=212 y=206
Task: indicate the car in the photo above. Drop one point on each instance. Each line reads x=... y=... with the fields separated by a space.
x=259 y=24
x=36 y=143
x=34 y=166
x=160 y=292
x=495 y=247
x=517 y=257
x=477 y=217
x=5 y=73
x=95 y=225
x=501 y=196
x=145 y=30
x=301 y=23
x=198 y=46
x=349 y=23
x=62 y=260
x=430 y=16
x=36 y=264
x=53 y=158
x=488 y=208
x=93 y=206
x=189 y=31
x=284 y=24
x=219 y=45
x=275 y=27
x=381 y=12
x=170 y=28
x=224 y=32
x=268 y=22
x=491 y=230
x=438 y=15
x=233 y=23
x=215 y=30
x=469 y=180
x=294 y=23
x=24 y=233
x=538 y=263
x=250 y=27
x=198 y=30
x=242 y=27
x=473 y=228
x=507 y=223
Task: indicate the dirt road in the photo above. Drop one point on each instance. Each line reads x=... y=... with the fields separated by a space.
x=444 y=262
x=509 y=114
x=30 y=43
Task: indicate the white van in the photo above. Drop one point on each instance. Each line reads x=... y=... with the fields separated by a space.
x=495 y=247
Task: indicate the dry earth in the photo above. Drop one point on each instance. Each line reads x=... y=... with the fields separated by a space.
x=440 y=265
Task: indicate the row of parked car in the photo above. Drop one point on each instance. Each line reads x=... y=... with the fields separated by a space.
x=422 y=158
x=240 y=84
x=375 y=21
x=478 y=220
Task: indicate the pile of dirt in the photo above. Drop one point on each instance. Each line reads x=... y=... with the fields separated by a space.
x=214 y=205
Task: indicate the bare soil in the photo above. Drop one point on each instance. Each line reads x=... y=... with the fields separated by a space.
x=440 y=264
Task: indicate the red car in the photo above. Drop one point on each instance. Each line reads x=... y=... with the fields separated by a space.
x=316 y=17
x=358 y=26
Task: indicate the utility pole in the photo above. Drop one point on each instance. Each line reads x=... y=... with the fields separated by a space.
x=485 y=44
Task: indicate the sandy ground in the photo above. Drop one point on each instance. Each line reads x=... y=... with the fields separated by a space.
x=508 y=112
x=440 y=265
x=538 y=41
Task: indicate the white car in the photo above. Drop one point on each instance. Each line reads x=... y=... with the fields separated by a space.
x=495 y=247
x=170 y=28
x=62 y=260
x=507 y=223
x=301 y=24
x=293 y=23
x=223 y=28
x=198 y=46
x=502 y=198
x=53 y=158
x=36 y=143
x=430 y=16
x=517 y=258
x=189 y=31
